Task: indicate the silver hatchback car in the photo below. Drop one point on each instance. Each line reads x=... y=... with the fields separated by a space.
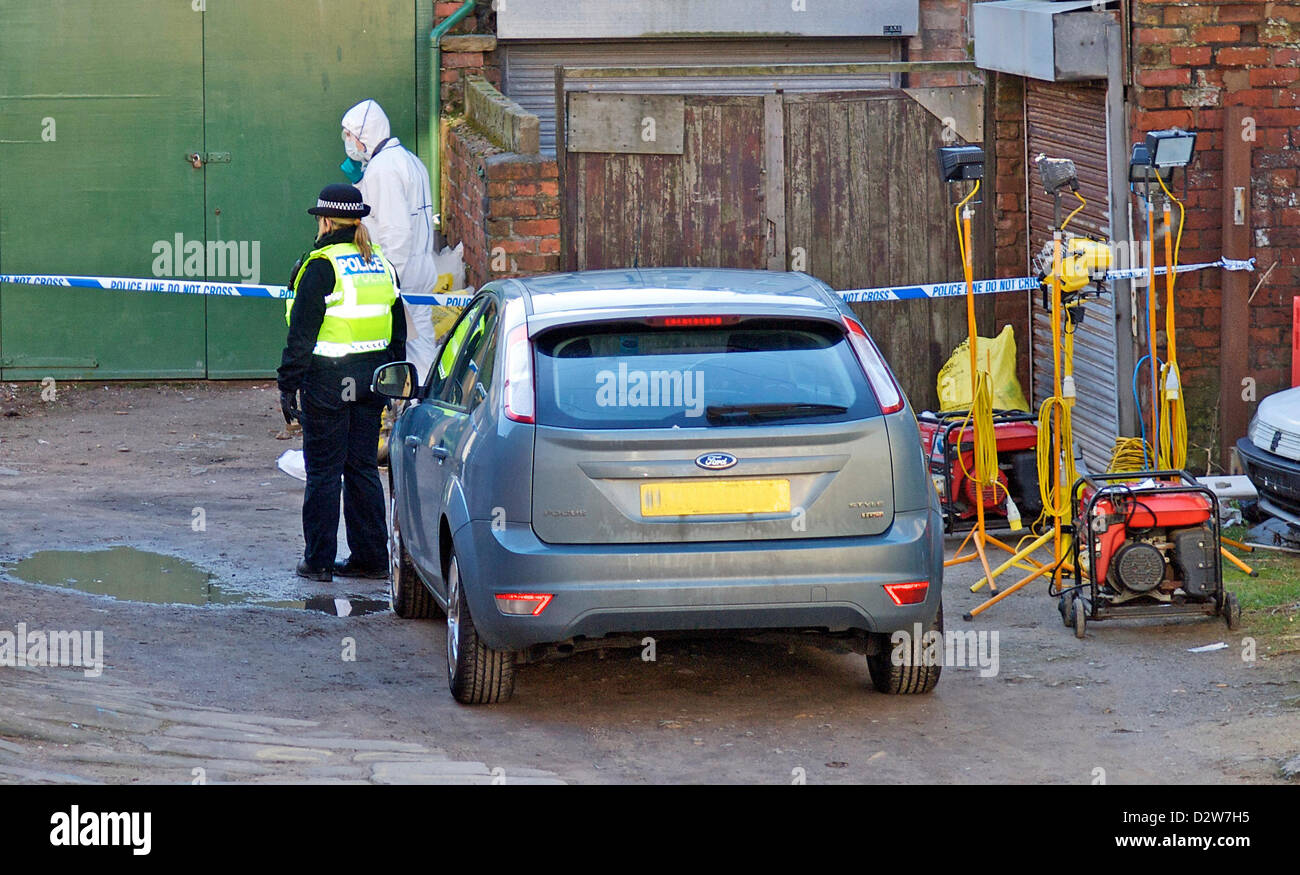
x=617 y=453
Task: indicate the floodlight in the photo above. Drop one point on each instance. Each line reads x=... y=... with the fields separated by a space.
x=1057 y=173
x=1140 y=169
x=958 y=163
x=1171 y=148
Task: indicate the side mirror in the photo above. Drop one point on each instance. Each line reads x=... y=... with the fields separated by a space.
x=395 y=380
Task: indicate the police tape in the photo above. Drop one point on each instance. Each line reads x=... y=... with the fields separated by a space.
x=1138 y=272
x=1019 y=284
x=852 y=296
x=938 y=290
x=182 y=287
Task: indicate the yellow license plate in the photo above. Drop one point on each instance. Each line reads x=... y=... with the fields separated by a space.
x=714 y=497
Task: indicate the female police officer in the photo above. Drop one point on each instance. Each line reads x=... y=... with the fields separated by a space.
x=345 y=320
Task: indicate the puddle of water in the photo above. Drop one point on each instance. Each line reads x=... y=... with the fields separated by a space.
x=140 y=576
x=346 y=607
x=351 y=606
x=127 y=573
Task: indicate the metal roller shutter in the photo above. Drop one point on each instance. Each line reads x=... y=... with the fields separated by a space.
x=1068 y=120
x=528 y=69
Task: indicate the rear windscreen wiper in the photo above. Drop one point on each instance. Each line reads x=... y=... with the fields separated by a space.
x=770 y=411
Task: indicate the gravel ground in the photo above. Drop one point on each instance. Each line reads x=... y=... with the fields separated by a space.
x=133 y=464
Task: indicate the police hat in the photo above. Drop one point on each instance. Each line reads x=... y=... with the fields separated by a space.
x=340 y=201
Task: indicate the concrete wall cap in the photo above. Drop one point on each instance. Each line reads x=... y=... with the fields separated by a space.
x=503 y=121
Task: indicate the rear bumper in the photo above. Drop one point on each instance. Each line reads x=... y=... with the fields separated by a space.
x=1277 y=479
x=830 y=583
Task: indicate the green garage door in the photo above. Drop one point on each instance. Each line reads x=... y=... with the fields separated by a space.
x=98 y=102
x=100 y=105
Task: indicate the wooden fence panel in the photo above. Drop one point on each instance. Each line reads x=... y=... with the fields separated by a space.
x=862 y=201
x=866 y=208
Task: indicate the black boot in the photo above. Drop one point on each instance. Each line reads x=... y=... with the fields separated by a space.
x=348 y=569
x=324 y=575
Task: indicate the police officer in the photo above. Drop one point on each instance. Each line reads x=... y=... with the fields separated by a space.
x=345 y=320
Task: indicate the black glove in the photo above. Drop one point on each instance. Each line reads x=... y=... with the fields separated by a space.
x=288 y=406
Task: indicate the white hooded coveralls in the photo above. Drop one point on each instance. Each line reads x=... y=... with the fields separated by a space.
x=396 y=186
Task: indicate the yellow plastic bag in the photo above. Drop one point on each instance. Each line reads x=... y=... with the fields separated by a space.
x=450 y=264
x=441 y=315
x=997 y=355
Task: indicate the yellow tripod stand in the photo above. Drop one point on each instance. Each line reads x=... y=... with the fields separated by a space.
x=1056 y=508
x=980 y=416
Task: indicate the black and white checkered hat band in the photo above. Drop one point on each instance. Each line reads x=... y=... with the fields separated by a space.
x=339 y=205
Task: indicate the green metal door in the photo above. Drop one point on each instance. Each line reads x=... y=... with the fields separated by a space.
x=100 y=106
x=277 y=79
x=99 y=103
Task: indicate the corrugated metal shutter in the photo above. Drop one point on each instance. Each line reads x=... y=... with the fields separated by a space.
x=528 y=69
x=1068 y=120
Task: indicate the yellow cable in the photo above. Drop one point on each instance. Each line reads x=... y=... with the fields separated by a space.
x=1129 y=454
x=980 y=414
x=961 y=238
x=986 y=445
x=1172 y=439
x=1044 y=453
x=1069 y=473
x=981 y=409
x=1082 y=203
x=1173 y=420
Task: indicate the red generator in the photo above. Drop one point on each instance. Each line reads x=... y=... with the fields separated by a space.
x=1149 y=544
x=950 y=449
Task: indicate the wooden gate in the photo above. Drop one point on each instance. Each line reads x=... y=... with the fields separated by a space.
x=843 y=186
x=701 y=207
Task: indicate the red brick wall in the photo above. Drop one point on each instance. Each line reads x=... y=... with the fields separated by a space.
x=464 y=212
x=1191 y=59
x=1006 y=170
x=944 y=36
x=504 y=207
x=458 y=64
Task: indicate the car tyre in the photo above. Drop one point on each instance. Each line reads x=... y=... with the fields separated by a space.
x=903 y=679
x=477 y=674
x=407 y=594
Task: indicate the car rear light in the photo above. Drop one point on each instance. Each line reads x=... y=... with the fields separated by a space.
x=523 y=603
x=520 y=404
x=873 y=364
x=911 y=593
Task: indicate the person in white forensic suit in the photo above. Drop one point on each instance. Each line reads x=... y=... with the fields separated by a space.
x=395 y=184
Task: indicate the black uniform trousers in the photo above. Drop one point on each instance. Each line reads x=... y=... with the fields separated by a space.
x=340 y=440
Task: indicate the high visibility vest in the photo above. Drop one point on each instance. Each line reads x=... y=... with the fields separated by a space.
x=358 y=312
x=456 y=341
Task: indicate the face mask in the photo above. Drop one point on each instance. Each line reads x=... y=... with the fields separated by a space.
x=353 y=146
x=352 y=169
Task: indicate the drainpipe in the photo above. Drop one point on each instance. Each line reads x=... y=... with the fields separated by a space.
x=435 y=119
x=1120 y=227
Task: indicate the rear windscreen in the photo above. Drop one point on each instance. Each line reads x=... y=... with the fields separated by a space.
x=749 y=374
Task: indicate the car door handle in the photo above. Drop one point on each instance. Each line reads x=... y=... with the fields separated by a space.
x=441 y=452
x=412 y=441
